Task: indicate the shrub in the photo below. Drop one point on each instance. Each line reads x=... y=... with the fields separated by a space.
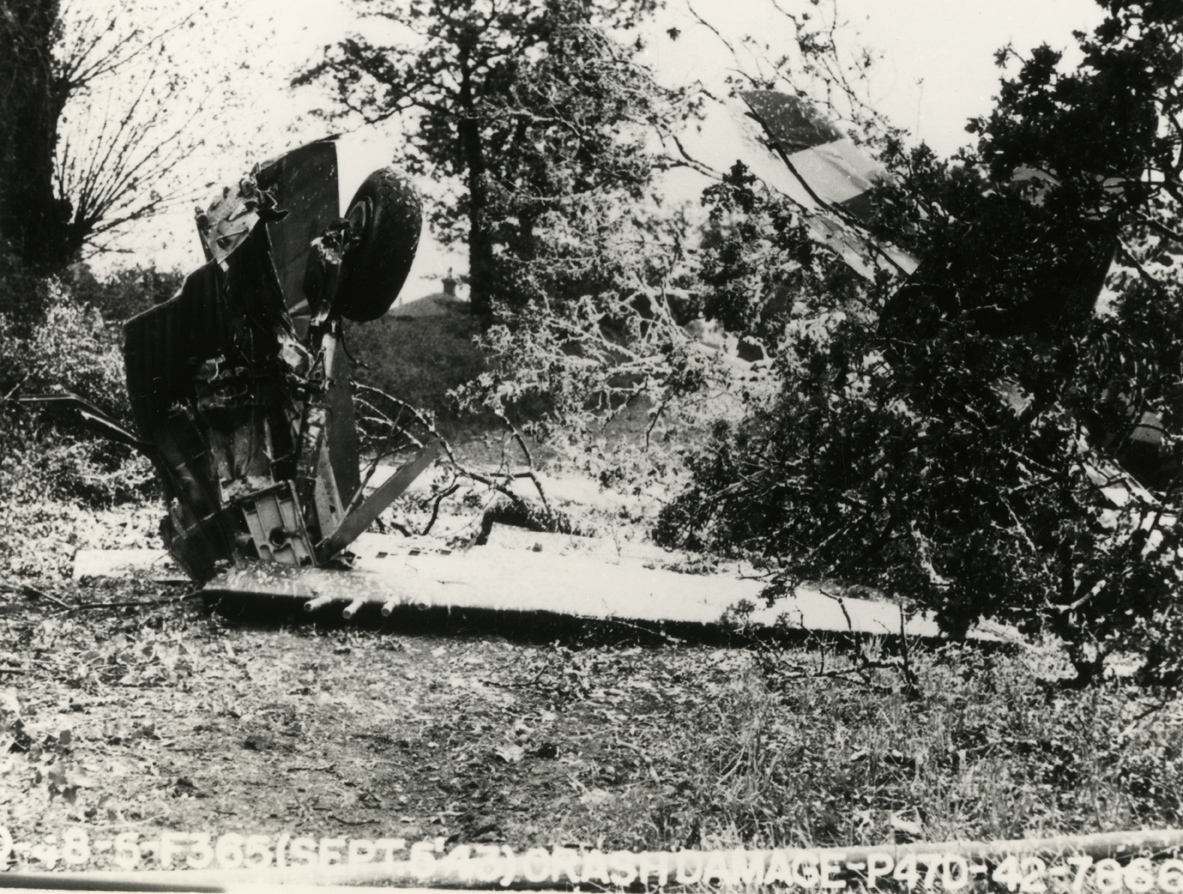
x=967 y=443
x=50 y=468
x=419 y=360
x=126 y=292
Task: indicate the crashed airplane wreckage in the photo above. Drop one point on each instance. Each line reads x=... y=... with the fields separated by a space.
x=238 y=384
x=242 y=399
x=803 y=156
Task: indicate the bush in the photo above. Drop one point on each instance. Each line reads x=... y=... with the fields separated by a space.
x=23 y=296
x=419 y=360
x=49 y=469
x=590 y=325
x=964 y=441
x=72 y=350
x=124 y=293
x=941 y=494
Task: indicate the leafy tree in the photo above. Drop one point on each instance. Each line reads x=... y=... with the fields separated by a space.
x=978 y=440
x=602 y=313
x=28 y=32
x=608 y=295
x=759 y=268
x=528 y=105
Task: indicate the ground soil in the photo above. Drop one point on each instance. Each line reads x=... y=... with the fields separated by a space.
x=172 y=716
x=135 y=707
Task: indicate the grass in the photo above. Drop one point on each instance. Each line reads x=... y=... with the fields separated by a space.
x=796 y=748
x=772 y=754
x=592 y=741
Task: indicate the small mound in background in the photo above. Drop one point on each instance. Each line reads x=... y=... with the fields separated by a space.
x=440 y=304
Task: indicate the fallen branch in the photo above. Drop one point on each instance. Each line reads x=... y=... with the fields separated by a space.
x=435 y=508
x=499 y=481
x=149 y=603
x=33 y=593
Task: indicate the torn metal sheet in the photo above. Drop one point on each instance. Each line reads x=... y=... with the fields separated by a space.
x=546 y=575
x=304 y=183
x=239 y=388
x=794 y=150
x=513 y=580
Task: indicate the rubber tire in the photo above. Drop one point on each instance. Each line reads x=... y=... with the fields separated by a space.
x=375 y=269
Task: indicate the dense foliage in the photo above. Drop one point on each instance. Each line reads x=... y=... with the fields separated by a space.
x=73 y=349
x=979 y=440
x=528 y=107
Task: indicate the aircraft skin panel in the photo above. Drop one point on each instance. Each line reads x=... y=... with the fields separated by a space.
x=793 y=124
x=765 y=164
x=304 y=183
x=822 y=171
x=838 y=172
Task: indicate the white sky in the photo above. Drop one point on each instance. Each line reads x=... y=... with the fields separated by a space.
x=949 y=47
x=937 y=70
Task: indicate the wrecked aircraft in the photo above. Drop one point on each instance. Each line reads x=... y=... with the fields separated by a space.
x=241 y=395
x=239 y=386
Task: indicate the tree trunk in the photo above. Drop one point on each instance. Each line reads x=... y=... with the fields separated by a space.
x=34 y=220
x=480 y=243
x=480 y=247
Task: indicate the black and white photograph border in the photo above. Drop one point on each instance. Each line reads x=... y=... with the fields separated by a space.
x=591 y=444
